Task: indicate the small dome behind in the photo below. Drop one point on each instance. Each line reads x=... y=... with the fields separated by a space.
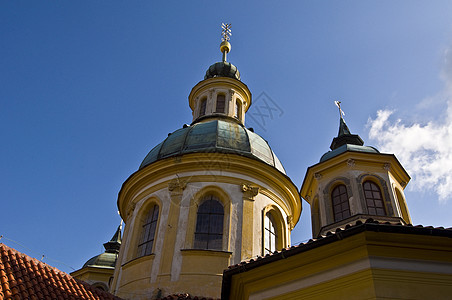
x=215 y=136
x=108 y=258
x=104 y=260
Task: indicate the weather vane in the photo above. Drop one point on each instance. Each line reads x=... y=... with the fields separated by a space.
x=341 y=112
x=226 y=32
x=225 y=46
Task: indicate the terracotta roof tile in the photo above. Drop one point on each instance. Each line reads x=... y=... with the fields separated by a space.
x=23 y=277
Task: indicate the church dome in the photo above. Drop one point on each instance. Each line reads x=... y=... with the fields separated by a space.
x=104 y=260
x=214 y=136
x=222 y=69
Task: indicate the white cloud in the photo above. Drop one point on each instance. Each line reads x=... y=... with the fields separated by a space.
x=425 y=150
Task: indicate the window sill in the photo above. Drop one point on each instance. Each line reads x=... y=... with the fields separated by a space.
x=205 y=252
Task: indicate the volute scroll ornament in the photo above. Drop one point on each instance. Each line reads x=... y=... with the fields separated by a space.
x=249 y=192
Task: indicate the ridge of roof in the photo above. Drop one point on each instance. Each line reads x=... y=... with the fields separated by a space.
x=25 y=277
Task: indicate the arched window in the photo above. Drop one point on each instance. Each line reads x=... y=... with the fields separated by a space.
x=202 y=107
x=148 y=232
x=374 y=200
x=209 y=224
x=341 y=207
x=221 y=101
x=237 y=110
x=270 y=236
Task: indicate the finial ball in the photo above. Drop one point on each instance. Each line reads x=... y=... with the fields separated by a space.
x=225 y=46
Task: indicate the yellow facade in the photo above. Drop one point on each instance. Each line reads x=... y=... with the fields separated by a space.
x=352 y=169
x=370 y=264
x=216 y=171
x=248 y=182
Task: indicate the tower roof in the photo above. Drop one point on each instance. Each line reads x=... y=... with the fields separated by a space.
x=114 y=244
x=222 y=69
x=345 y=137
x=346 y=141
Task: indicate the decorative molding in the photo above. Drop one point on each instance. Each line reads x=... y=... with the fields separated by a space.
x=318 y=176
x=351 y=162
x=231 y=94
x=176 y=185
x=290 y=222
x=130 y=208
x=387 y=166
x=211 y=92
x=249 y=192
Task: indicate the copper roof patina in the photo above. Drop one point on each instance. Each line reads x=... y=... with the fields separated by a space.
x=222 y=69
x=214 y=136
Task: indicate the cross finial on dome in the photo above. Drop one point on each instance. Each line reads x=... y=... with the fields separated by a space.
x=226 y=33
x=344 y=135
x=341 y=112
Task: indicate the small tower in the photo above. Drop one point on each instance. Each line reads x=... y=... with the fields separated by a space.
x=354 y=182
x=210 y=195
x=98 y=271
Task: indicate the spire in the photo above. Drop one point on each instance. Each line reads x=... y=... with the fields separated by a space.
x=225 y=46
x=224 y=68
x=114 y=244
x=344 y=136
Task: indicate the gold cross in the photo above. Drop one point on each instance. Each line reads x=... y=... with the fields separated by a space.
x=226 y=32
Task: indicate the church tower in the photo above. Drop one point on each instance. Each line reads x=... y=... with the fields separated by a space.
x=211 y=194
x=354 y=182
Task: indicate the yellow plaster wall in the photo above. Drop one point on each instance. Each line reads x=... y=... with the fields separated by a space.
x=368 y=265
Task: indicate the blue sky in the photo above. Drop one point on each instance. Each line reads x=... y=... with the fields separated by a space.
x=87 y=88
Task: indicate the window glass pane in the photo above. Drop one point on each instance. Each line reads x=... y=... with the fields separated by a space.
x=269 y=234
x=341 y=206
x=374 y=198
x=202 y=109
x=215 y=242
x=201 y=240
x=209 y=224
x=147 y=234
x=221 y=99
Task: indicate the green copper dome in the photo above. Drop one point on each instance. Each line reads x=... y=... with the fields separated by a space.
x=214 y=136
x=348 y=147
x=104 y=260
x=222 y=69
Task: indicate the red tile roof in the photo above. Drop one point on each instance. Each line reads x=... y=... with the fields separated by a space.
x=24 y=277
